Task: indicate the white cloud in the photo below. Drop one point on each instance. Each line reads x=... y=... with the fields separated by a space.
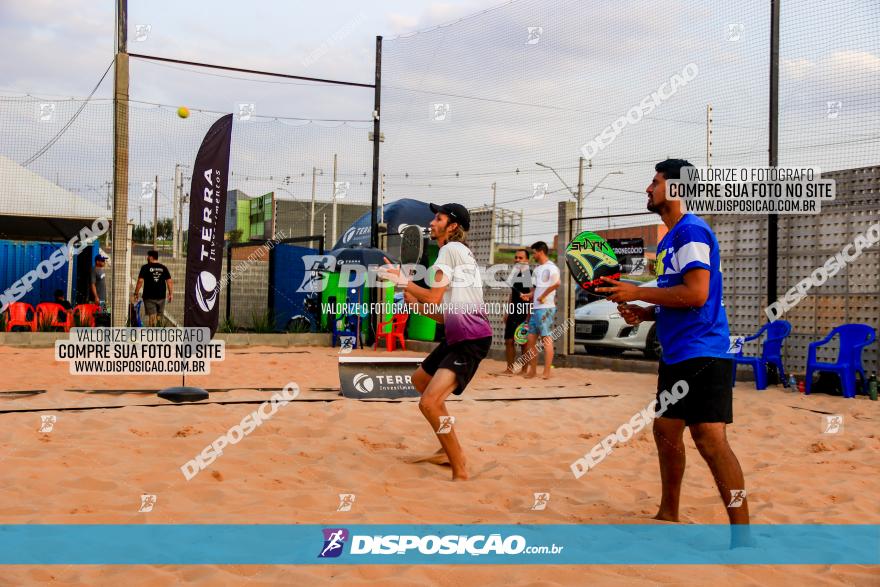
x=842 y=75
x=402 y=23
x=853 y=63
x=797 y=69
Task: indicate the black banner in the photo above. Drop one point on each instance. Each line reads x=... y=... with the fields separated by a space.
x=630 y=253
x=627 y=248
x=207 y=223
x=361 y=377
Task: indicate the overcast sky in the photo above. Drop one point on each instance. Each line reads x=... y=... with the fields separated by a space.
x=511 y=102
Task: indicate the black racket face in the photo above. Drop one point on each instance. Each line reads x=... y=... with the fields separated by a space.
x=411 y=245
x=590 y=258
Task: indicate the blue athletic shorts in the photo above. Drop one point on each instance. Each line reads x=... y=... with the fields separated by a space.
x=541 y=322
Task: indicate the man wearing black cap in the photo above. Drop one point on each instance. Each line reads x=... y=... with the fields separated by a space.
x=457 y=288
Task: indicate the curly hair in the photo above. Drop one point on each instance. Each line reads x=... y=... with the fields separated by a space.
x=458 y=235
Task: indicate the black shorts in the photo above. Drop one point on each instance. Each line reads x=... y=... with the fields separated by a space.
x=462 y=358
x=710 y=390
x=512 y=324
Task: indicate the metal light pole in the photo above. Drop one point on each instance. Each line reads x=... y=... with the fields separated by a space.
x=315 y=173
x=595 y=187
x=293 y=197
x=492 y=238
x=333 y=222
x=579 y=193
x=603 y=179
x=568 y=187
x=155 y=210
x=175 y=219
x=773 y=150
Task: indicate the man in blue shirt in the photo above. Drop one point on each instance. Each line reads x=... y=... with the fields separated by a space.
x=693 y=332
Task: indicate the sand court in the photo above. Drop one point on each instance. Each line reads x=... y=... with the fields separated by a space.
x=94 y=465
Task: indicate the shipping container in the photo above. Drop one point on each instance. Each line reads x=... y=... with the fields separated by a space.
x=18 y=258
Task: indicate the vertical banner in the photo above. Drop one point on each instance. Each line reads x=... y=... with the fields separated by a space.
x=207 y=224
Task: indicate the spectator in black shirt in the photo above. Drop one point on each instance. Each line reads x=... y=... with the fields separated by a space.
x=520 y=295
x=153 y=277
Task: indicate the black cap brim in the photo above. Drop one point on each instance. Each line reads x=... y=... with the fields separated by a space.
x=434 y=208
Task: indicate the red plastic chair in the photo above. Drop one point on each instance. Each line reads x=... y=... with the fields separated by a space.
x=86 y=312
x=21 y=315
x=55 y=314
x=398 y=324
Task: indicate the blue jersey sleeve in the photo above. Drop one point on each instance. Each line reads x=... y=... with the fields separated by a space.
x=693 y=245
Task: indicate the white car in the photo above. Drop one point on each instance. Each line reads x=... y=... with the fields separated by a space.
x=600 y=328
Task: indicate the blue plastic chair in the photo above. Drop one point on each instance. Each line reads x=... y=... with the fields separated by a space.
x=853 y=338
x=350 y=323
x=771 y=353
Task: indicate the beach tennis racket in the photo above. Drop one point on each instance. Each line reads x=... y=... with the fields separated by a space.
x=589 y=257
x=521 y=334
x=411 y=244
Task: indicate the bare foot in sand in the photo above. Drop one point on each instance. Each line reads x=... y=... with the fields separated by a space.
x=460 y=474
x=531 y=375
x=438 y=458
x=546 y=374
x=506 y=372
x=665 y=517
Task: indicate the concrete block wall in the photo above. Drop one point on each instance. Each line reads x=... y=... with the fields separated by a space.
x=481 y=236
x=805 y=242
x=250 y=292
x=249 y=288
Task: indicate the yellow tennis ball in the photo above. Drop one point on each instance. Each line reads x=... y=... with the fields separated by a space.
x=183 y=112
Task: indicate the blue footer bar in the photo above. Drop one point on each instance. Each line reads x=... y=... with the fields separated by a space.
x=637 y=544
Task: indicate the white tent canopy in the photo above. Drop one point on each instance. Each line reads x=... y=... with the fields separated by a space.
x=34 y=208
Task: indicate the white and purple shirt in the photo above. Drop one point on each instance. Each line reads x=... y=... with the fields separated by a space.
x=464 y=314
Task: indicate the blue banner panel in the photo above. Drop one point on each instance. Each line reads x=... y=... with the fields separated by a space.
x=288 y=274
x=543 y=544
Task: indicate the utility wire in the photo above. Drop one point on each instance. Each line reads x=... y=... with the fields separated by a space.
x=58 y=135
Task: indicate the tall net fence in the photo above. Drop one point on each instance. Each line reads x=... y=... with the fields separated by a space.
x=494 y=111
x=513 y=96
x=57 y=163
x=485 y=99
x=269 y=154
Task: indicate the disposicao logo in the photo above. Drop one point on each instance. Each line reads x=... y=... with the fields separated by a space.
x=477 y=545
x=334 y=541
x=206 y=290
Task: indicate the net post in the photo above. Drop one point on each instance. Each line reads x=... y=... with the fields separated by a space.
x=377 y=94
x=119 y=233
x=566 y=285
